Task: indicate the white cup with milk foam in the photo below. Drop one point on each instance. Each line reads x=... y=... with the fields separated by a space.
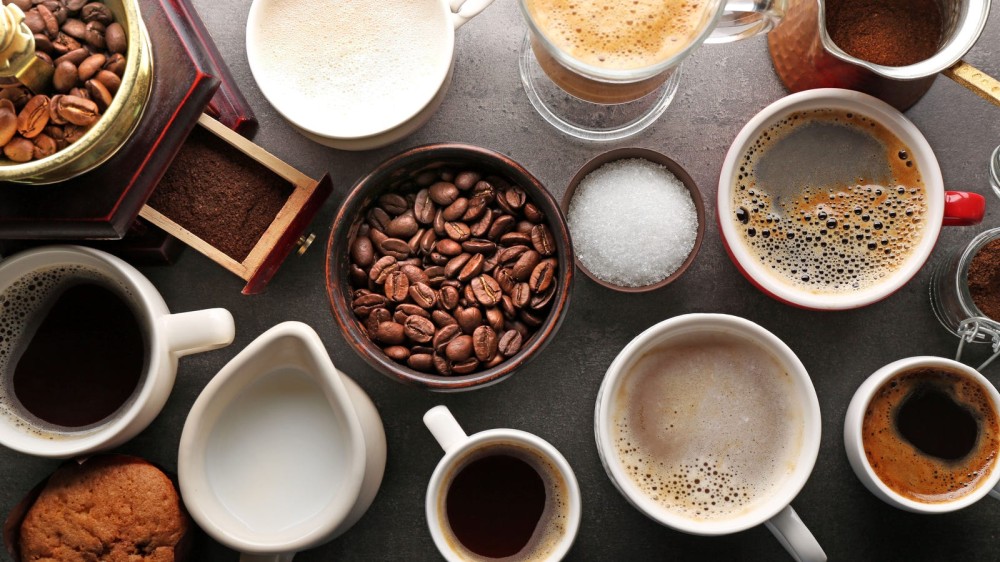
x=355 y=74
x=735 y=430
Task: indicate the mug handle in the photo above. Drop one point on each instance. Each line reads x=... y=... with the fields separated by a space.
x=199 y=330
x=286 y=557
x=444 y=427
x=793 y=534
x=745 y=18
x=465 y=10
x=962 y=208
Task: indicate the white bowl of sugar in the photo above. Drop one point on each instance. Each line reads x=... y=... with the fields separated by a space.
x=636 y=217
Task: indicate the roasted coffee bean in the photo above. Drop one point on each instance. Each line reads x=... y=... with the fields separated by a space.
x=459 y=348
x=75 y=28
x=540 y=301
x=414 y=244
x=377 y=236
x=466 y=180
x=442 y=365
x=533 y=213
x=399 y=317
x=435 y=275
x=439 y=223
x=515 y=197
x=456 y=210
x=482 y=226
x=515 y=238
x=362 y=252
x=403 y=226
x=382 y=268
x=365 y=304
x=476 y=208
x=110 y=80
x=95 y=35
x=490 y=263
x=34 y=21
x=397 y=286
x=443 y=193
x=510 y=343
x=423 y=207
x=521 y=328
x=428 y=241
x=530 y=318
x=96 y=11
x=357 y=275
x=484 y=343
x=8 y=122
x=486 y=290
x=91 y=66
x=415 y=274
x=511 y=253
x=472 y=268
x=44 y=146
x=411 y=309
x=442 y=318
x=507 y=307
x=390 y=333
x=63 y=44
x=45 y=57
x=505 y=278
x=393 y=203
x=465 y=367
x=541 y=277
x=494 y=318
x=541 y=239
x=76 y=56
x=468 y=296
x=378 y=219
x=99 y=94
x=449 y=247
x=501 y=225
x=458 y=231
x=524 y=226
x=49 y=20
x=376 y=317
x=33 y=118
x=65 y=76
x=479 y=246
x=485 y=189
x=115 y=65
x=521 y=295
x=456 y=264
x=419 y=329
x=444 y=335
x=397 y=353
x=114 y=37
x=423 y=295
x=469 y=318
x=525 y=264
x=73 y=132
x=396 y=248
x=448 y=298
x=77 y=110
x=43 y=44
x=19 y=149
x=421 y=361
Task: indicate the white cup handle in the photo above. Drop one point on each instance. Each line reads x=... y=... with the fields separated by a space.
x=793 y=534
x=266 y=557
x=995 y=492
x=444 y=427
x=199 y=330
x=465 y=10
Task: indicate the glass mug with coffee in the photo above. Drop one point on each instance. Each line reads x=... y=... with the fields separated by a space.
x=90 y=351
x=607 y=70
x=831 y=199
x=500 y=493
x=709 y=424
x=923 y=435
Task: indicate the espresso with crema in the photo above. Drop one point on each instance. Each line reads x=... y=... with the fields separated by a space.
x=708 y=425
x=829 y=201
x=931 y=435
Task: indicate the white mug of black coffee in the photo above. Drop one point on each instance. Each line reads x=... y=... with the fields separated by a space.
x=709 y=424
x=500 y=493
x=89 y=350
x=923 y=435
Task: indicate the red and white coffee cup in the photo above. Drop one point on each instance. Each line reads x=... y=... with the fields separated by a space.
x=944 y=208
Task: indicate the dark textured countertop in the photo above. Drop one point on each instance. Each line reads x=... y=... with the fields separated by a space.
x=721 y=88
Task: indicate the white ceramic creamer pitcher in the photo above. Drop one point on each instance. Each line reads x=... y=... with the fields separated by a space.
x=281 y=451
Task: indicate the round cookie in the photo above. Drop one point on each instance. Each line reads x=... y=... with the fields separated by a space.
x=112 y=508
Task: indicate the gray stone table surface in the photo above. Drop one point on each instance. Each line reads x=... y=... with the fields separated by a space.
x=722 y=87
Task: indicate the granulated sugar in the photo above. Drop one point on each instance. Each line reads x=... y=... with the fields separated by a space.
x=633 y=222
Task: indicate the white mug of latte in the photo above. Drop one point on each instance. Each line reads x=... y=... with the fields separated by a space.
x=355 y=74
x=831 y=199
x=709 y=424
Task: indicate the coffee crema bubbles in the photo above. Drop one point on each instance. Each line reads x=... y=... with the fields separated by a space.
x=829 y=201
x=620 y=35
x=708 y=425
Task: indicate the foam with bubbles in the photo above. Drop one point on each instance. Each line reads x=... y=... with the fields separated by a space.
x=23 y=305
x=707 y=425
x=620 y=34
x=352 y=67
x=829 y=201
x=553 y=523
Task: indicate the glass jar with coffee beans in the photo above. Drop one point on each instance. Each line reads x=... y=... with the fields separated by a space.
x=86 y=49
x=453 y=272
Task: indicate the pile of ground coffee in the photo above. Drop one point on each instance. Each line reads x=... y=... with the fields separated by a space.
x=886 y=32
x=984 y=279
x=220 y=194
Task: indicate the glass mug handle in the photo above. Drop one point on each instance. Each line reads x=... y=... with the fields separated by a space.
x=793 y=534
x=745 y=18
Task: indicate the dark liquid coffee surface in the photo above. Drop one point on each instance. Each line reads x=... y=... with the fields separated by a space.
x=494 y=504
x=931 y=435
x=84 y=361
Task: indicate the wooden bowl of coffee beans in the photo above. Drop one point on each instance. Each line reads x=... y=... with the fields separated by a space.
x=449 y=267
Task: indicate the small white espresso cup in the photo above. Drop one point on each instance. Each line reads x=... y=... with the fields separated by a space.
x=854 y=445
x=166 y=336
x=775 y=510
x=561 y=521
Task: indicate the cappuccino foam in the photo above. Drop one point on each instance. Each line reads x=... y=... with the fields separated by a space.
x=708 y=425
x=829 y=201
x=620 y=35
x=353 y=67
